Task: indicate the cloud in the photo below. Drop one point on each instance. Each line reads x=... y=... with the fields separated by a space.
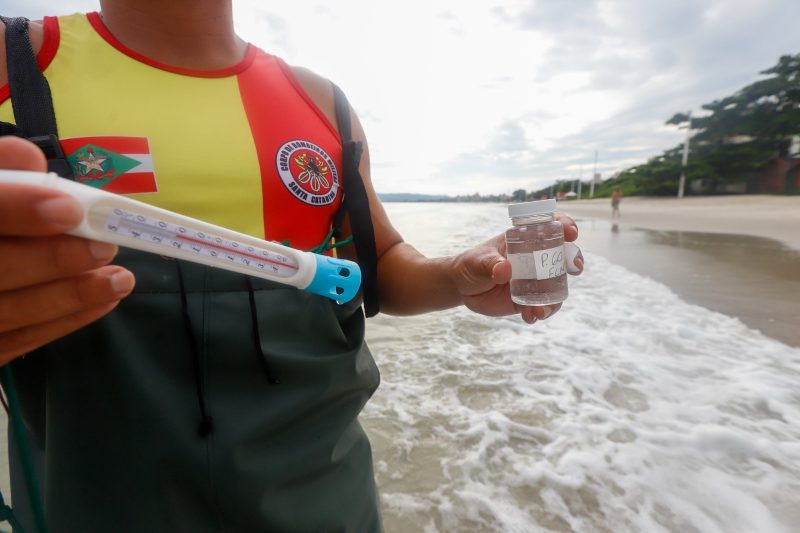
x=627 y=138
x=254 y=21
x=644 y=61
x=508 y=94
x=564 y=18
x=36 y=9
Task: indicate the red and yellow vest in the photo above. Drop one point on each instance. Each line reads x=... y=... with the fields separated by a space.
x=115 y=405
x=243 y=147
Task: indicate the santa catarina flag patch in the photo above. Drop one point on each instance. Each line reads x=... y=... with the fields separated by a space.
x=121 y=165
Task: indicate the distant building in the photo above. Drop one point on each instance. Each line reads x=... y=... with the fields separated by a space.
x=794 y=146
x=779 y=176
x=707 y=186
x=738 y=139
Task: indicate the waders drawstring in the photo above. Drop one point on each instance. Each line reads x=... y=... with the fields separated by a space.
x=206 y=422
x=20 y=436
x=257 y=335
x=325 y=246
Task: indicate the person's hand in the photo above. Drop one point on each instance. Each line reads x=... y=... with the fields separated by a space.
x=482 y=275
x=50 y=283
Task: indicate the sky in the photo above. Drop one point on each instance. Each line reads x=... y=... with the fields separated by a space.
x=487 y=97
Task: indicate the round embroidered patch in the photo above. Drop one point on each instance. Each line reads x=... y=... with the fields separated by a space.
x=308 y=172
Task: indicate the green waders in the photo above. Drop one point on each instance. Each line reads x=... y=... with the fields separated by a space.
x=147 y=430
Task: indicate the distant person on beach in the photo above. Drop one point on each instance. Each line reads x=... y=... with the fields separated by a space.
x=201 y=400
x=616 y=198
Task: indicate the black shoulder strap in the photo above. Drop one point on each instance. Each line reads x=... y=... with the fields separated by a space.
x=30 y=92
x=356 y=205
x=31 y=98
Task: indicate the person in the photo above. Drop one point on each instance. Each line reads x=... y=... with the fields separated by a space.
x=616 y=198
x=167 y=396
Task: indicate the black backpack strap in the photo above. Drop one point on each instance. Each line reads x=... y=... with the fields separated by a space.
x=31 y=98
x=356 y=204
x=30 y=92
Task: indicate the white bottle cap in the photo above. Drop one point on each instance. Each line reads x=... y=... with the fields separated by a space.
x=539 y=207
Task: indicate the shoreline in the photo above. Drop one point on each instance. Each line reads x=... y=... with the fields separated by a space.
x=754 y=279
x=771 y=217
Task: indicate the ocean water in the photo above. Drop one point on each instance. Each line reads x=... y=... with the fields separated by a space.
x=628 y=411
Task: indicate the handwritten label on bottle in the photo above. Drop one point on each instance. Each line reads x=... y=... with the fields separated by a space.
x=541 y=264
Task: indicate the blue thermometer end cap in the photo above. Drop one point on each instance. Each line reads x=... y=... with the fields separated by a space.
x=337 y=279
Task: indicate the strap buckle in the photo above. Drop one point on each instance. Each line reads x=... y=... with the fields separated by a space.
x=56 y=160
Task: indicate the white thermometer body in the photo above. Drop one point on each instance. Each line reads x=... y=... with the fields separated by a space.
x=119 y=220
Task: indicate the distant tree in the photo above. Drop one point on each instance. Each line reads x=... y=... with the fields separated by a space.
x=519 y=195
x=736 y=136
x=741 y=132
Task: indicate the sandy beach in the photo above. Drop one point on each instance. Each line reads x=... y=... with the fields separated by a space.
x=772 y=217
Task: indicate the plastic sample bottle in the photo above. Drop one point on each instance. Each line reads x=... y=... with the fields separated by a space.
x=535 y=249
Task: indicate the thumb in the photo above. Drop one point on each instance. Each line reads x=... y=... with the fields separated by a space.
x=488 y=264
x=481 y=269
x=501 y=271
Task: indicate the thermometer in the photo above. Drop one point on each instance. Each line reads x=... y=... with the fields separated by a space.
x=119 y=220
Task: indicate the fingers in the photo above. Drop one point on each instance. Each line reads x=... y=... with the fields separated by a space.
x=34 y=316
x=579 y=263
x=19 y=154
x=63 y=297
x=30 y=210
x=573 y=258
x=29 y=262
x=483 y=275
x=532 y=314
x=527 y=314
x=21 y=341
x=575 y=261
x=50 y=283
x=545 y=312
x=35 y=211
x=570 y=228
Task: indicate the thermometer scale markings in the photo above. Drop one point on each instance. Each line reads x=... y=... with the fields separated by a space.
x=141 y=227
x=112 y=218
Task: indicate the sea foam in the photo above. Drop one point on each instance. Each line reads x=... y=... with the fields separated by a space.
x=629 y=410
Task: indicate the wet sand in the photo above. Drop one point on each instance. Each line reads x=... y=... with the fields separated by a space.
x=752 y=278
x=773 y=217
x=739 y=255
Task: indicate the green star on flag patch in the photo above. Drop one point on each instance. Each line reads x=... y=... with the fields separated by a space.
x=117 y=164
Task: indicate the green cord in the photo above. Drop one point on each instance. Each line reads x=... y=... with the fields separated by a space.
x=7 y=515
x=340 y=243
x=326 y=244
x=20 y=436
